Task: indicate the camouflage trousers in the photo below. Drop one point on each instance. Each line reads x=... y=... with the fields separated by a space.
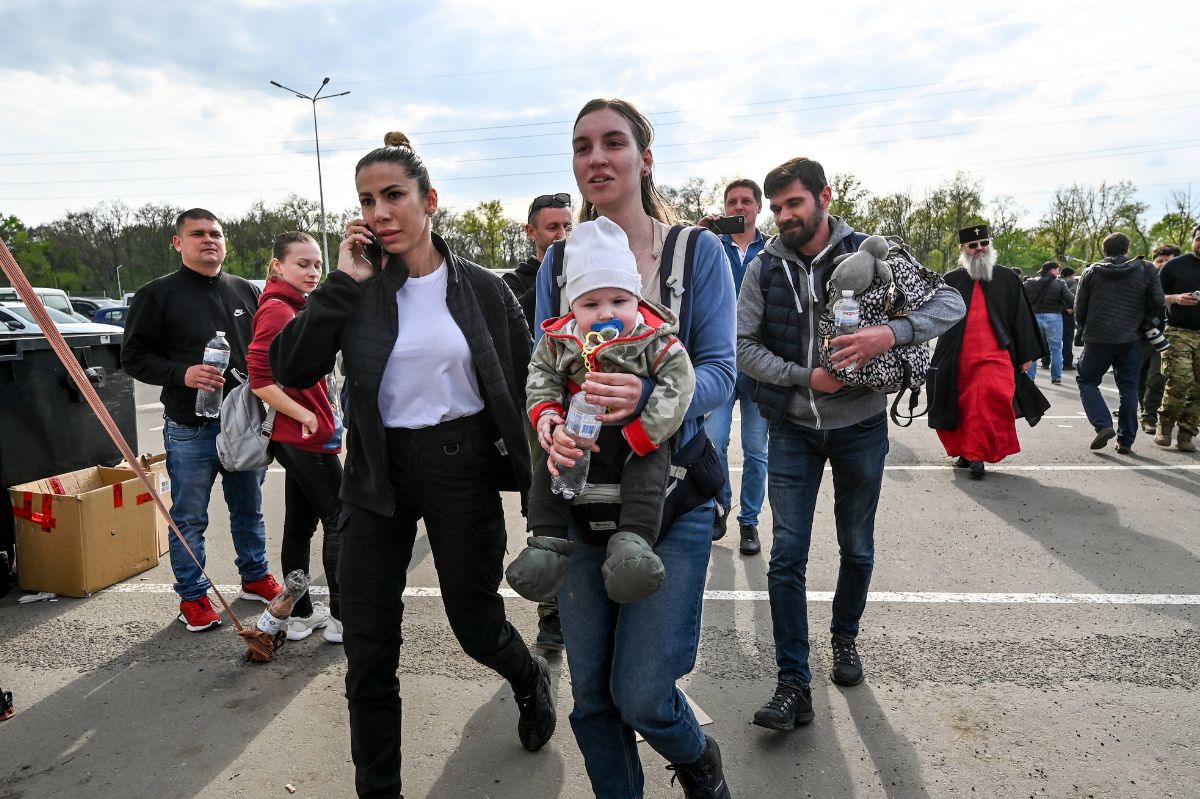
x=1181 y=368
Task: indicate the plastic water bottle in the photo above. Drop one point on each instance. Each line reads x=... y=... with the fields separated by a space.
x=845 y=314
x=583 y=427
x=275 y=618
x=216 y=353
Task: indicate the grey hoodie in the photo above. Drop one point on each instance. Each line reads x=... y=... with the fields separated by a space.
x=808 y=407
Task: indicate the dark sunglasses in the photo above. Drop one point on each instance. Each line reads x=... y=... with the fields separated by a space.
x=560 y=200
x=975 y=245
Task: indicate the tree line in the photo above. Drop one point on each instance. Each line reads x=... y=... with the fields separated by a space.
x=81 y=252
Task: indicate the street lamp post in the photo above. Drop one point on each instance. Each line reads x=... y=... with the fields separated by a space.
x=320 y=183
x=120 y=294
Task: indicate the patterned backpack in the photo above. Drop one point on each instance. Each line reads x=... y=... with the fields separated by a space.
x=903 y=368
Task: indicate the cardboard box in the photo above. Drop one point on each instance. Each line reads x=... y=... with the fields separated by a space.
x=83 y=531
x=156 y=465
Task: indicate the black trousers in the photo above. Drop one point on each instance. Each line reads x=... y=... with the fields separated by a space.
x=311 y=486
x=1068 y=340
x=443 y=475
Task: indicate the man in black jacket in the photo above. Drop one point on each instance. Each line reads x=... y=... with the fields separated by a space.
x=1050 y=298
x=1181 y=364
x=975 y=376
x=549 y=221
x=1116 y=296
x=171 y=319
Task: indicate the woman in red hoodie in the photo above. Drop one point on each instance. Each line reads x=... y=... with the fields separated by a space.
x=307 y=436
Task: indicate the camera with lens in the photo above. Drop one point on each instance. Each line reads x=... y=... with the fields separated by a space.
x=1152 y=330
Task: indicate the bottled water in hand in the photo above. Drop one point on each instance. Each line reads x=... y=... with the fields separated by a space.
x=584 y=429
x=275 y=618
x=216 y=353
x=846 y=317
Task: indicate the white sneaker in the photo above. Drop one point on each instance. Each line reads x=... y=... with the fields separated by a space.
x=300 y=628
x=333 y=631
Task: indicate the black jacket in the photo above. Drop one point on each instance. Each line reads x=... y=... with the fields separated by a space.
x=1116 y=296
x=1182 y=274
x=1016 y=330
x=361 y=321
x=521 y=280
x=1049 y=294
x=171 y=318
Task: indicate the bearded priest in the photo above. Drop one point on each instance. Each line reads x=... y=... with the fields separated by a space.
x=978 y=387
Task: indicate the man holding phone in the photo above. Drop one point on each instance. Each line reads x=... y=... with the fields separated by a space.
x=742 y=242
x=1180 y=364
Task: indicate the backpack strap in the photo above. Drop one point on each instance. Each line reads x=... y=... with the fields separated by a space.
x=557 y=278
x=914 y=397
x=675 y=270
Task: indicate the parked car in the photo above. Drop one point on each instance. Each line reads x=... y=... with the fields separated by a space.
x=16 y=318
x=87 y=306
x=51 y=298
x=112 y=315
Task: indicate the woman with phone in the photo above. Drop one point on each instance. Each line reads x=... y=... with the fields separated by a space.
x=625 y=659
x=435 y=350
x=307 y=436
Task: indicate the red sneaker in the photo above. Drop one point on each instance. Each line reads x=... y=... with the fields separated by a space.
x=264 y=589
x=198 y=614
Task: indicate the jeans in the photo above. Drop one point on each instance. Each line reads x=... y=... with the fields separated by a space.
x=754 y=447
x=192 y=465
x=312 y=482
x=626 y=658
x=1052 y=328
x=795 y=467
x=442 y=474
x=1126 y=361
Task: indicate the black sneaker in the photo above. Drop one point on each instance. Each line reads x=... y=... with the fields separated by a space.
x=537 y=721
x=847 y=667
x=550 y=635
x=977 y=470
x=719 y=523
x=750 y=545
x=1103 y=437
x=1124 y=449
x=791 y=705
x=962 y=463
x=704 y=778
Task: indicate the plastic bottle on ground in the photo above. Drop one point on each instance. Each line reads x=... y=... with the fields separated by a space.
x=275 y=618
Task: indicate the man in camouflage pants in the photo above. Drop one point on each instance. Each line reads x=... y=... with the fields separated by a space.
x=1181 y=363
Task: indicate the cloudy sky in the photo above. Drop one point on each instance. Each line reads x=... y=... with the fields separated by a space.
x=171 y=102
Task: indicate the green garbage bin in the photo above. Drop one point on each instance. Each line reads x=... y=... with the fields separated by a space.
x=46 y=426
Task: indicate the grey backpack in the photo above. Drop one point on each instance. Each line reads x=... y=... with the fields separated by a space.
x=246 y=426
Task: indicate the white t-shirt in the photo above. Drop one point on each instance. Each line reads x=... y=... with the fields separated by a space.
x=429 y=377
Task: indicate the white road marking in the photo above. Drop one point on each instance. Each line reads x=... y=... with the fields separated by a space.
x=150 y=406
x=156 y=429
x=912 y=597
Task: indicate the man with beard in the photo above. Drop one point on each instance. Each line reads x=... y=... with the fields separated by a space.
x=816 y=420
x=977 y=361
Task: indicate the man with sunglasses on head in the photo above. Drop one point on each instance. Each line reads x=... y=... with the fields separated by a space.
x=976 y=361
x=549 y=221
x=1050 y=297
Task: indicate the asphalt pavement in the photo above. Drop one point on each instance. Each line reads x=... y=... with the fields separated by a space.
x=1033 y=634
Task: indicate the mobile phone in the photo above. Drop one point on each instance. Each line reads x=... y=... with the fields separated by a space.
x=728 y=224
x=1196 y=294
x=373 y=252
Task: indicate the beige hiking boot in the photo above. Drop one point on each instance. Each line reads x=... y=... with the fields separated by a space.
x=1162 y=436
x=1184 y=442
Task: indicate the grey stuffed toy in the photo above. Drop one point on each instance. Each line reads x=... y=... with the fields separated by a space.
x=857 y=271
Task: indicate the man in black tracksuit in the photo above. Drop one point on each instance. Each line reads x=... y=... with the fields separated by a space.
x=171 y=319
